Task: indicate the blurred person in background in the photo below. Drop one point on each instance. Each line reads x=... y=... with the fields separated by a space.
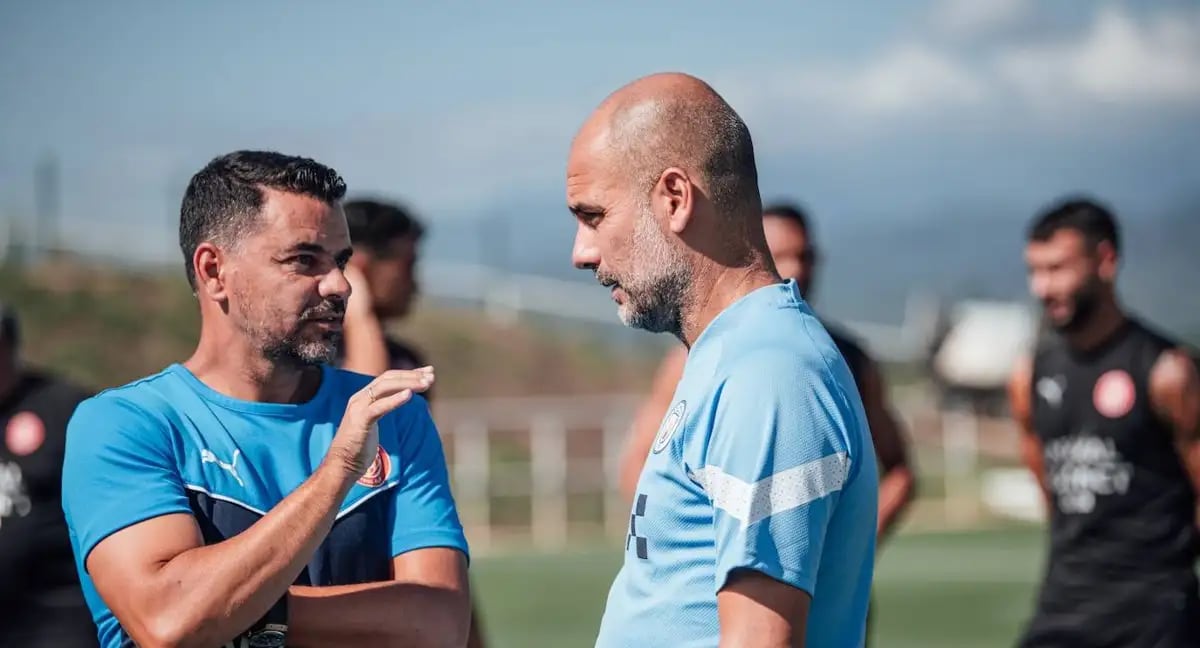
x=383 y=275
x=789 y=237
x=1109 y=413
x=41 y=603
x=254 y=494
x=752 y=486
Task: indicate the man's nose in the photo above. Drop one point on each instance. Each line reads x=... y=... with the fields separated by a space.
x=1039 y=285
x=585 y=255
x=335 y=285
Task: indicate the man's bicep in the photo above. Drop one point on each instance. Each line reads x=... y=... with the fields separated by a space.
x=423 y=513
x=890 y=447
x=440 y=567
x=118 y=471
x=785 y=544
x=755 y=609
x=1175 y=388
x=123 y=561
x=1020 y=394
x=777 y=462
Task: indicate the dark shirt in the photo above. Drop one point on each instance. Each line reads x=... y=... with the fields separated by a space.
x=41 y=602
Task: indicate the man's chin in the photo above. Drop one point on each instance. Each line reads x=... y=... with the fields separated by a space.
x=646 y=322
x=1065 y=324
x=308 y=354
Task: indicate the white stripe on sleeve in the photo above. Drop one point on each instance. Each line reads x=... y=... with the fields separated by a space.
x=783 y=491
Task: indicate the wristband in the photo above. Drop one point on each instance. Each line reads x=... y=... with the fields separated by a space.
x=271 y=630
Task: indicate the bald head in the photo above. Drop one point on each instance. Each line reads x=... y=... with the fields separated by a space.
x=661 y=180
x=676 y=120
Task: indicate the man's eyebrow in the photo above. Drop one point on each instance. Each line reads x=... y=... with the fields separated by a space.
x=307 y=247
x=584 y=208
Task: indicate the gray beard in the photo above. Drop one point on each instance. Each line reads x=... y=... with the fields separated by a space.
x=660 y=310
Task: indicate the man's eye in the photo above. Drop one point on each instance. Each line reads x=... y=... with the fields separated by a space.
x=304 y=260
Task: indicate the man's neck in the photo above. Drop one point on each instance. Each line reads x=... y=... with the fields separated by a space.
x=230 y=367
x=718 y=290
x=1102 y=325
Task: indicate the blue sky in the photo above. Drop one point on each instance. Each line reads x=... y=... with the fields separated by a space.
x=466 y=109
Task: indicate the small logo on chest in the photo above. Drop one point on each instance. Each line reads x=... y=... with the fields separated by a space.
x=378 y=471
x=1114 y=394
x=24 y=433
x=207 y=456
x=1051 y=389
x=669 y=426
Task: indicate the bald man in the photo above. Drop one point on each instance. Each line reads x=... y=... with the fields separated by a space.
x=790 y=240
x=789 y=237
x=752 y=487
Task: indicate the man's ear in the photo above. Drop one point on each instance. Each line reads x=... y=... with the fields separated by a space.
x=1109 y=260
x=361 y=257
x=208 y=264
x=674 y=197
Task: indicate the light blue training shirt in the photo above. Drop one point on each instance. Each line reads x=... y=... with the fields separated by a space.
x=763 y=462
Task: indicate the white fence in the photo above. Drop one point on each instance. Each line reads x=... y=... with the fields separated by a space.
x=541 y=450
x=558 y=458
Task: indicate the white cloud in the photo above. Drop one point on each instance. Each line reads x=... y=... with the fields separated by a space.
x=825 y=101
x=466 y=159
x=967 y=18
x=1119 y=60
x=1135 y=65
x=911 y=78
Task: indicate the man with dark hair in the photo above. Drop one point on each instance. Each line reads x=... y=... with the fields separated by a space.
x=383 y=274
x=254 y=495
x=752 y=486
x=41 y=603
x=1109 y=413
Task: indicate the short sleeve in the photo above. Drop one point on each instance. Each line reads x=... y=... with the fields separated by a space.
x=424 y=514
x=118 y=469
x=776 y=462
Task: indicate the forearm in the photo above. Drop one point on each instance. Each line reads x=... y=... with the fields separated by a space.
x=211 y=594
x=366 y=350
x=387 y=613
x=896 y=491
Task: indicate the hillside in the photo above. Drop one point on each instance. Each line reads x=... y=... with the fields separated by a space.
x=105 y=327
x=873 y=262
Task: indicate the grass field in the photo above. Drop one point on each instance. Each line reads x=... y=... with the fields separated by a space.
x=955 y=590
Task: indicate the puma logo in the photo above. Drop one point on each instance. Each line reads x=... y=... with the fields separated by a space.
x=206 y=456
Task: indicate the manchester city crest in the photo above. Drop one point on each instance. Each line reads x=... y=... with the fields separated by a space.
x=669 y=425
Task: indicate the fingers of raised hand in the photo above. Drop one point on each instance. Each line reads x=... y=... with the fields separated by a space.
x=394 y=388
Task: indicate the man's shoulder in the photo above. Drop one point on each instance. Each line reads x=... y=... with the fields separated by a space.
x=797 y=347
x=848 y=342
x=148 y=393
